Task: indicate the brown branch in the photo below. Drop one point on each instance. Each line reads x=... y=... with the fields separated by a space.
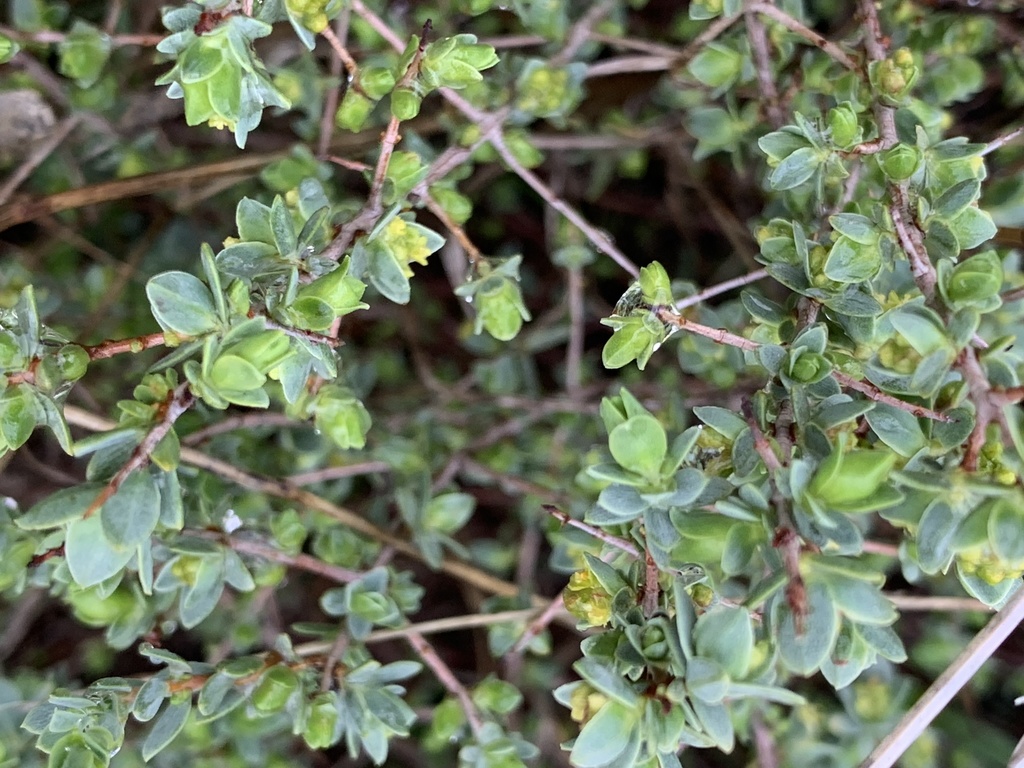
x=282 y=489
x=555 y=608
x=870 y=390
x=49 y=37
x=298 y=561
x=722 y=336
x=793 y=25
x=447 y=678
x=758 y=38
x=340 y=57
x=723 y=287
x=472 y=252
x=134 y=345
x=597 y=533
x=178 y=401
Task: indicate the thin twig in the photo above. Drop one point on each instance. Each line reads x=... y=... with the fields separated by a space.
x=336 y=473
x=577 y=330
x=593 y=530
x=48 y=36
x=580 y=32
x=946 y=686
x=1002 y=141
x=282 y=489
x=340 y=57
x=555 y=608
x=472 y=252
x=298 y=561
x=38 y=154
x=758 y=38
x=870 y=390
x=448 y=680
x=179 y=401
x=936 y=603
x=722 y=336
x=723 y=287
x=711 y=32
x=783 y=18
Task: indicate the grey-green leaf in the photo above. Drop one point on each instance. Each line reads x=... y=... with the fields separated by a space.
x=59 y=508
x=90 y=556
x=130 y=515
x=182 y=303
x=166 y=727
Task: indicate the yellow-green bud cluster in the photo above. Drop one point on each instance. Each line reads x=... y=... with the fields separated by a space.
x=587 y=600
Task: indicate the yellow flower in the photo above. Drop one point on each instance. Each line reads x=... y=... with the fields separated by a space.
x=408 y=244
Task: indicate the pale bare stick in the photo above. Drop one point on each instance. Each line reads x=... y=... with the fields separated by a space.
x=946 y=686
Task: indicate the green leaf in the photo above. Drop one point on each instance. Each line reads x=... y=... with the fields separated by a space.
x=605 y=679
x=448 y=512
x=955 y=199
x=858 y=228
x=84 y=53
x=935 y=537
x=622 y=501
x=972 y=227
x=199 y=600
x=58 y=508
x=253 y=221
x=166 y=727
x=852 y=262
x=639 y=444
x=726 y=622
x=722 y=420
x=90 y=556
x=860 y=601
x=182 y=303
x=387 y=276
x=213 y=692
x=716 y=65
x=804 y=651
x=604 y=737
x=149 y=698
x=235 y=374
x=706 y=679
x=885 y=641
x=130 y=515
x=897 y=428
x=19 y=415
x=795 y=169
x=716 y=723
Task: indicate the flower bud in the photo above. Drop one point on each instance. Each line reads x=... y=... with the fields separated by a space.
x=900 y=162
x=353 y=111
x=72 y=362
x=585 y=702
x=808 y=367
x=843 y=123
x=376 y=82
x=321 y=722
x=274 y=689
x=405 y=103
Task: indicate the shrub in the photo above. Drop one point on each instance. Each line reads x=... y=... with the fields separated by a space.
x=361 y=417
